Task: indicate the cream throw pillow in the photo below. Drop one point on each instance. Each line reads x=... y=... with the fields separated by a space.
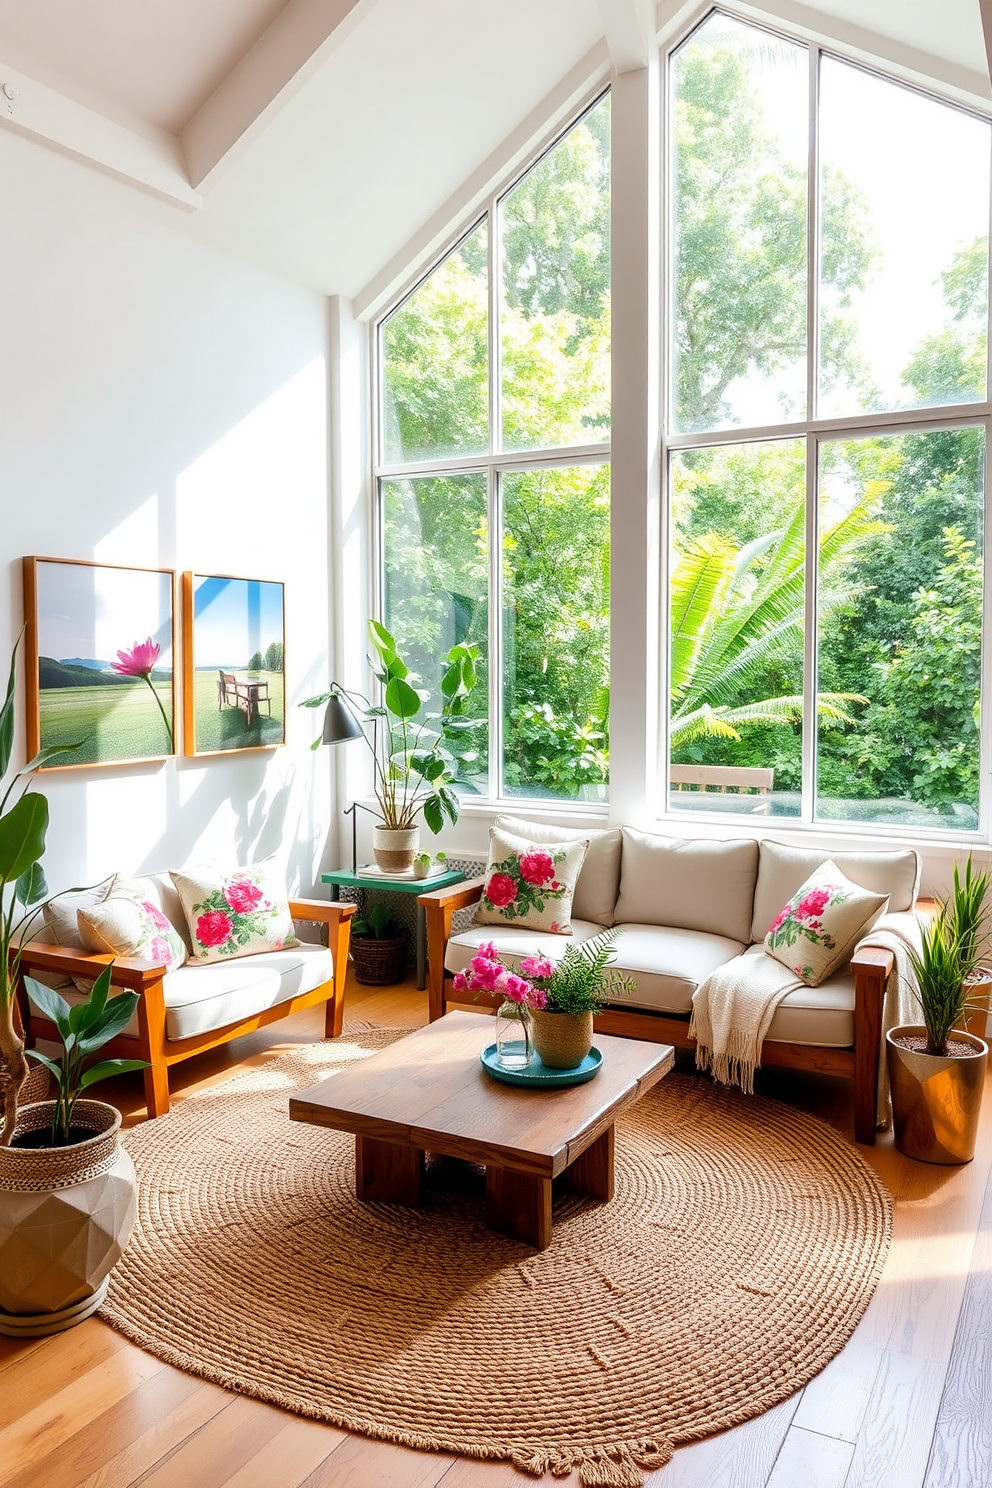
x=125 y=926
x=530 y=884
x=818 y=928
x=236 y=911
x=60 y=913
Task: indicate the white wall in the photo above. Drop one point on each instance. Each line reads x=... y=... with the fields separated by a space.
x=162 y=404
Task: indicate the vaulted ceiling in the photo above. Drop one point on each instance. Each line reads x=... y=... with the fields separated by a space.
x=316 y=137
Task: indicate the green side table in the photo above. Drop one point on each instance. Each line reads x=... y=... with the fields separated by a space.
x=343 y=878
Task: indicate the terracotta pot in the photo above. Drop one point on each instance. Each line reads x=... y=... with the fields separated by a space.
x=562 y=1039
x=66 y=1214
x=395 y=848
x=936 y=1101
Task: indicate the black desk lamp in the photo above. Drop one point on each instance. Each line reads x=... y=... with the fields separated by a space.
x=340 y=725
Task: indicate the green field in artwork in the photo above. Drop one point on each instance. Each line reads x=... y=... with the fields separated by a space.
x=118 y=722
x=227 y=727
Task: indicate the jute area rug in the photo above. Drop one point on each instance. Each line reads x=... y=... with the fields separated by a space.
x=742 y=1247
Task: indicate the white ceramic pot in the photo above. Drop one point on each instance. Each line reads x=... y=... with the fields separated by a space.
x=395 y=848
x=66 y=1214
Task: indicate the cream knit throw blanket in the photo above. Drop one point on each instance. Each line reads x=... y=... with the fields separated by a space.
x=733 y=1008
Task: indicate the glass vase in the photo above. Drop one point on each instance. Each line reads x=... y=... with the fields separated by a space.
x=514 y=1030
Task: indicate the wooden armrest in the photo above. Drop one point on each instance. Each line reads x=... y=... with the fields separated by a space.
x=327 y=911
x=874 y=960
x=72 y=961
x=459 y=896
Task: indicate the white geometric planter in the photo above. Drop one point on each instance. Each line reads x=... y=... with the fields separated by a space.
x=66 y=1214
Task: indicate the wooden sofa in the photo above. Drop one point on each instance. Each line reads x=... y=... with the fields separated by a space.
x=840 y=1037
x=272 y=986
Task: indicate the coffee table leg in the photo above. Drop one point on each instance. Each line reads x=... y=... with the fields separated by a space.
x=592 y=1171
x=388 y=1173
x=519 y=1204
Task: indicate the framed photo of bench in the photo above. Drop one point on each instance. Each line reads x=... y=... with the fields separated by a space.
x=99 y=645
x=234 y=640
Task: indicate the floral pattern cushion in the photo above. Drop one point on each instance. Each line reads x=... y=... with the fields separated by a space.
x=235 y=912
x=821 y=924
x=530 y=884
x=126 y=926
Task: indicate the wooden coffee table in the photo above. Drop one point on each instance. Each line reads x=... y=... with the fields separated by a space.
x=429 y=1093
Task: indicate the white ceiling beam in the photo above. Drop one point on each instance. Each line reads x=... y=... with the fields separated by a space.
x=627 y=25
x=301 y=37
x=153 y=160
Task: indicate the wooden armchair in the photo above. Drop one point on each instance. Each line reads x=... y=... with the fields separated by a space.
x=152 y=1043
x=870 y=968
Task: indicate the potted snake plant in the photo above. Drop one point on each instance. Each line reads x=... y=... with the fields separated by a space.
x=937 y=1068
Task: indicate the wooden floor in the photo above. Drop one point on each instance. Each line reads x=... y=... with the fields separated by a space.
x=907 y=1404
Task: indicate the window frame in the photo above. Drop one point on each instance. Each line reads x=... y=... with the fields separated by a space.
x=494 y=463
x=814 y=431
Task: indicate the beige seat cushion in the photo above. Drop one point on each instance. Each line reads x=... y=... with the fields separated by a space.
x=782 y=869
x=599 y=879
x=200 y=999
x=513 y=944
x=689 y=883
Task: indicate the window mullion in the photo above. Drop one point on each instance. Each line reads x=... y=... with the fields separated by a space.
x=813 y=239
x=495 y=508
x=811 y=570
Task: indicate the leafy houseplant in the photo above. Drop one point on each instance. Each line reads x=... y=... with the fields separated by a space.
x=378 y=947
x=417 y=756
x=937 y=1070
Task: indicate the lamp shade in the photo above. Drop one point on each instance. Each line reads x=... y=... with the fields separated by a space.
x=340 y=724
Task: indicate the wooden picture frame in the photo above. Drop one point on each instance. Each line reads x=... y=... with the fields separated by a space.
x=100 y=647
x=234 y=649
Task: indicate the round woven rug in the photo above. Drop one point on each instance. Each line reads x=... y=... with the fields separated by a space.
x=742 y=1247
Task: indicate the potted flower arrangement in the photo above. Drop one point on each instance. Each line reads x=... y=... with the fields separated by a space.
x=417 y=756
x=66 y=1188
x=378 y=948
x=937 y=1069
x=554 y=1004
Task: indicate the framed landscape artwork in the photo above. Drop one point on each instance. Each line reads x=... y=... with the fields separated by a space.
x=99 y=646
x=233 y=658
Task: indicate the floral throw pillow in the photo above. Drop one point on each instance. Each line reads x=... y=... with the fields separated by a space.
x=819 y=927
x=530 y=884
x=125 y=926
x=235 y=912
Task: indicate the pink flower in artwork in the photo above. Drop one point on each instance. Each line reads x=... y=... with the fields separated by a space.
x=137 y=662
x=242 y=895
x=501 y=890
x=155 y=915
x=537 y=966
x=537 y=868
x=813 y=903
x=214 y=928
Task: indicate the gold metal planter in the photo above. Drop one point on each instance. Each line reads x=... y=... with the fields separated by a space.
x=936 y=1101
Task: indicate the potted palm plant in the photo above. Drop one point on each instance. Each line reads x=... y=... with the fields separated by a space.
x=937 y=1069
x=417 y=756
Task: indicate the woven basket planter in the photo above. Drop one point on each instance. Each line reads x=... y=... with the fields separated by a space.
x=562 y=1039
x=66 y=1214
x=379 y=963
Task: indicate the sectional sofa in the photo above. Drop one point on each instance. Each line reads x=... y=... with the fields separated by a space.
x=685 y=907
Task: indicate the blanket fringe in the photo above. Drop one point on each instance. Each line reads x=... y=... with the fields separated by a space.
x=613 y=1465
x=734 y=1065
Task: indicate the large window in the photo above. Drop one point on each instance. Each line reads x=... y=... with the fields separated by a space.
x=825 y=437
x=493 y=473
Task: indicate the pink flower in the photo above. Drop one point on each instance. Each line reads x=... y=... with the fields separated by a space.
x=214 y=928
x=459 y=982
x=155 y=915
x=779 y=919
x=537 y=966
x=137 y=662
x=515 y=988
x=159 y=951
x=813 y=903
x=488 y=950
x=501 y=890
x=538 y=999
x=242 y=895
x=536 y=868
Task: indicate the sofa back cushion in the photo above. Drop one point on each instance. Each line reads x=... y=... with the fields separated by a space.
x=688 y=883
x=783 y=869
x=599 y=878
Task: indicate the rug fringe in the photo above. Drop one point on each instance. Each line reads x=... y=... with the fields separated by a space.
x=613 y=1465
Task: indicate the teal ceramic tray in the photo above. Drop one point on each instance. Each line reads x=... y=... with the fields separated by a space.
x=538 y=1074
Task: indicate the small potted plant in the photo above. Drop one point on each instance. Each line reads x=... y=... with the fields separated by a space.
x=937 y=1069
x=378 y=948
x=556 y=1003
x=417 y=756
